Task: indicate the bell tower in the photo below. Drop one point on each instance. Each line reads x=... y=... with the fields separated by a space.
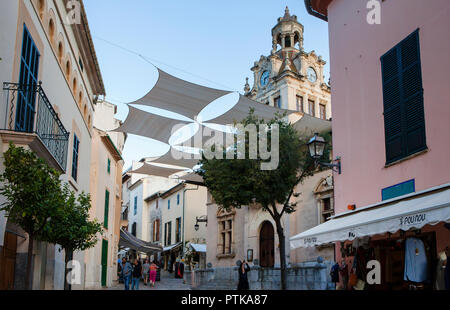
x=287 y=34
x=290 y=77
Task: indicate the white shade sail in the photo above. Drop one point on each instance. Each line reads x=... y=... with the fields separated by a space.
x=192 y=178
x=409 y=213
x=149 y=125
x=242 y=108
x=179 y=96
x=155 y=170
x=175 y=157
x=309 y=125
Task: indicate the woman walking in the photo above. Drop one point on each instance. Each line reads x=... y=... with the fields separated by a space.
x=145 y=271
x=243 y=279
x=137 y=273
x=153 y=269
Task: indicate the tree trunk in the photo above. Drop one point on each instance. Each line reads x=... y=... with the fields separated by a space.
x=68 y=257
x=281 y=239
x=28 y=278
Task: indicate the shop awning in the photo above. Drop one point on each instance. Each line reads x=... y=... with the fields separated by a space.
x=410 y=212
x=129 y=241
x=172 y=247
x=201 y=248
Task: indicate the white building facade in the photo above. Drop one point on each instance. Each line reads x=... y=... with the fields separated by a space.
x=50 y=75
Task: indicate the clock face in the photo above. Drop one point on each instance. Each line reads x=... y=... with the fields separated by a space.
x=265 y=78
x=311 y=75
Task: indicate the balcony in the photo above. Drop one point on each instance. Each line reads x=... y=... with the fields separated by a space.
x=30 y=120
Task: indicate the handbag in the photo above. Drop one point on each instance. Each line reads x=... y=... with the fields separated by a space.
x=353 y=279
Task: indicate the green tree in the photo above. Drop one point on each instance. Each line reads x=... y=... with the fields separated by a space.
x=71 y=227
x=238 y=182
x=32 y=192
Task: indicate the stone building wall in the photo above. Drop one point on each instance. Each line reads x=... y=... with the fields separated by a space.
x=302 y=276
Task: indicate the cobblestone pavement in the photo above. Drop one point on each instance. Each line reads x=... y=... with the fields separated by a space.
x=168 y=282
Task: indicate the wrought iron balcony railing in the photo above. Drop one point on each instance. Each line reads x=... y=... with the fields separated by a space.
x=28 y=110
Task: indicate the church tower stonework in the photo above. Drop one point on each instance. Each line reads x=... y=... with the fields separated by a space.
x=289 y=77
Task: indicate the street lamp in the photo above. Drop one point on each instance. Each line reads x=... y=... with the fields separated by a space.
x=316 y=147
x=201 y=219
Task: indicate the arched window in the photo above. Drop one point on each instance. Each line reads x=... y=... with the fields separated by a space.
x=51 y=30
x=74 y=85
x=41 y=8
x=89 y=122
x=85 y=111
x=68 y=70
x=60 y=52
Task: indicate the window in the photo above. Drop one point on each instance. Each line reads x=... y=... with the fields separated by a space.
x=105 y=220
x=327 y=209
x=168 y=204
x=29 y=68
x=323 y=111
x=156 y=225
x=109 y=166
x=178 y=230
x=76 y=149
x=178 y=199
x=277 y=102
x=300 y=104
x=404 y=120
x=225 y=234
x=135 y=206
x=80 y=62
x=168 y=233
x=311 y=107
x=133 y=229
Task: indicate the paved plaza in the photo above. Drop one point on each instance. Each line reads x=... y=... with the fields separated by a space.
x=168 y=282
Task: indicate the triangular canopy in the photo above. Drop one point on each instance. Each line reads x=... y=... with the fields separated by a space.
x=149 y=125
x=156 y=170
x=180 y=96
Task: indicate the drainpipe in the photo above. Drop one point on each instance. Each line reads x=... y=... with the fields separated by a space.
x=182 y=236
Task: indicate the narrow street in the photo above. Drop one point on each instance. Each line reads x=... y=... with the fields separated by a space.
x=168 y=282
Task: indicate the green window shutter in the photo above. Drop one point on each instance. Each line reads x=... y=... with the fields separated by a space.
x=104 y=261
x=403 y=99
x=109 y=165
x=105 y=220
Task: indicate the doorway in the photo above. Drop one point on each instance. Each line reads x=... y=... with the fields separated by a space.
x=104 y=261
x=8 y=262
x=266 y=245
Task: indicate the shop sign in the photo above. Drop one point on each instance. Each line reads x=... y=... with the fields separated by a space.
x=411 y=220
x=310 y=240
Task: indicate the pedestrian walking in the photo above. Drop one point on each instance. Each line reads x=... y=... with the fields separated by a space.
x=126 y=273
x=153 y=270
x=146 y=271
x=243 y=279
x=136 y=275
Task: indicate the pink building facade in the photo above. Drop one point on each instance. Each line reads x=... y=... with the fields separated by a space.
x=392 y=137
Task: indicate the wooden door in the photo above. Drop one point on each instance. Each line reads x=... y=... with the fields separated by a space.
x=8 y=262
x=266 y=245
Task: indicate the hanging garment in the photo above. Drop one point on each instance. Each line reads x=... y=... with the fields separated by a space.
x=415 y=261
x=334 y=273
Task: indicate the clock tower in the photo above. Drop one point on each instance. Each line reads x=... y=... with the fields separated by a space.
x=291 y=78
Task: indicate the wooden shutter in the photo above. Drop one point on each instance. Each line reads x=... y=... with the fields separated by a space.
x=105 y=220
x=403 y=99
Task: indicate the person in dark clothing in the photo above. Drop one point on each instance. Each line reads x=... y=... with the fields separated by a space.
x=447 y=269
x=136 y=275
x=243 y=279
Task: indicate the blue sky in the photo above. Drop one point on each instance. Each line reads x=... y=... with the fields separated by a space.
x=213 y=43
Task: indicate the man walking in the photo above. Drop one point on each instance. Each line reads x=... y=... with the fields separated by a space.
x=137 y=274
x=126 y=273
